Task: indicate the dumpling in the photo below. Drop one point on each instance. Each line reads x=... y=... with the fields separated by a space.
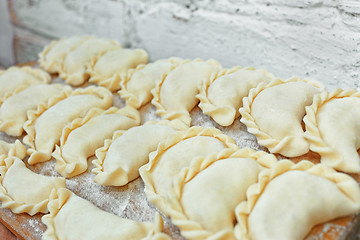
x=74 y=218
x=137 y=84
x=221 y=96
x=45 y=125
x=22 y=190
x=175 y=94
x=83 y=136
x=16 y=79
x=13 y=111
x=274 y=113
x=290 y=199
x=333 y=129
x=119 y=160
x=176 y=153
x=105 y=69
x=52 y=57
x=75 y=62
x=205 y=195
x=16 y=149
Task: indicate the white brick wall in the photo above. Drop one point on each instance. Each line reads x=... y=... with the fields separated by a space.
x=309 y=38
x=6 y=35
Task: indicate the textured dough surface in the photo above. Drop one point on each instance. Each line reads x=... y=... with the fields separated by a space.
x=214 y=207
x=227 y=91
x=180 y=156
x=52 y=57
x=79 y=219
x=76 y=61
x=340 y=128
x=125 y=155
x=177 y=94
x=13 y=111
x=85 y=137
x=16 y=79
x=293 y=203
x=278 y=111
x=24 y=190
x=16 y=149
x=136 y=87
x=49 y=125
x=119 y=61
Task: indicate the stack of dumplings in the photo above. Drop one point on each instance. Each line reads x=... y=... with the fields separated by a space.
x=162 y=128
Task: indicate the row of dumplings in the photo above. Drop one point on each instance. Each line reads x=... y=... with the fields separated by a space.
x=201 y=180
x=273 y=110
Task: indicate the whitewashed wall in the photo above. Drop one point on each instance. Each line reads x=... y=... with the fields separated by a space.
x=309 y=38
x=6 y=36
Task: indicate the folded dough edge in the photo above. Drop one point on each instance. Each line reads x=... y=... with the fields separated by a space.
x=264 y=139
x=154 y=157
x=190 y=228
x=22 y=207
x=41 y=75
x=223 y=115
x=347 y=185
x=312 y=133
x=105 y=178
x=130 y=98
x=156 y=101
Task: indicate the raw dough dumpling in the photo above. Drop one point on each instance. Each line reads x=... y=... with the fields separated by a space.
x=75 y=62
x=221 y=96
x=175 y=94
x=22 y=190
x=74 y=218
x=16 y=79
x=290 y=199
x=333 y=129
x=206 y=194
x=83 y=136
x=119 y=160
x=45 y=125
x=52 y=57
x=106 y=69
x=176 y=153
x=274 y=113
x=13 y=111
x=16 y=149
x=137 y=84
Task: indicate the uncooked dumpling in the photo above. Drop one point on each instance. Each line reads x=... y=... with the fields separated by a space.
x=45 y=125
x=52 y=57
x=274 y=113
x=137 y=84
x=13 y=111
x=107 y=68
x=16 y=79
x=83 y=136
x=22 y=190
x=74 y=218
x=221 y=96
x=176 y=153
x=119 y=160
x=75 y=62
x=290 y=199
x=175 y=95
x=333 y=129
x=206 y=193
